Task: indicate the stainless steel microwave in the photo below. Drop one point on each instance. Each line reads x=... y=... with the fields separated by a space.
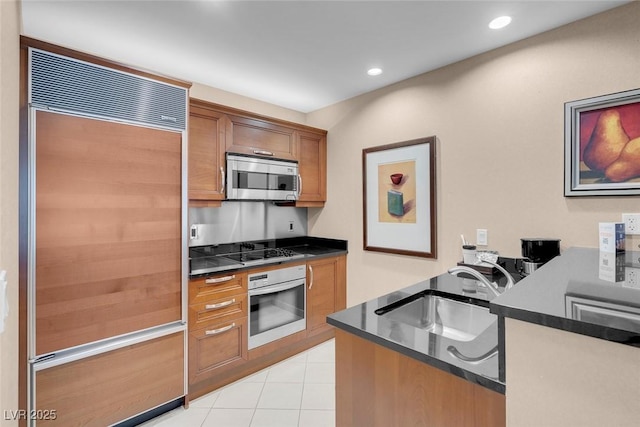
x=258 y=178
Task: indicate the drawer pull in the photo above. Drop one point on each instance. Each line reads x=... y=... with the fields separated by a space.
x=263 y=152
x=219 y=330
x=219 y=305
x=219 y=279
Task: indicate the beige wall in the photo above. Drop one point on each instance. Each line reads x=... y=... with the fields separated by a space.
x=560 y=379
x=229 y=99
x=499 y=121
x=9 y=71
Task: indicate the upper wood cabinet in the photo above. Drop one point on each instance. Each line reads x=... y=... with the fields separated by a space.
x=207 y=130
x=215 y=130
x=260 y=137
x=312 y=161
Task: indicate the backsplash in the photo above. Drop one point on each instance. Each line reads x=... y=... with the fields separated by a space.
x=245 y=221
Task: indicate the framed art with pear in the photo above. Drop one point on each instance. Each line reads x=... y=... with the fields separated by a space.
x=399 y=198
x=602 y=145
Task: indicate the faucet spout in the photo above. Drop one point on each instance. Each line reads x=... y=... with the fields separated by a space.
x=463 y=269
x=510 y=281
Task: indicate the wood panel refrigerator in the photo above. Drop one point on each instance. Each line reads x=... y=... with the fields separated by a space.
x=106 y=273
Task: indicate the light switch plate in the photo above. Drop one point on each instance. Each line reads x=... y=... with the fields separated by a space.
x=481 y=237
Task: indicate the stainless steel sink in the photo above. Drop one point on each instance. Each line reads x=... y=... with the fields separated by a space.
x=439 y=315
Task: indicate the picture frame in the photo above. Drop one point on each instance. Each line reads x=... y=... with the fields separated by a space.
x=399 y=198
x=602 y=145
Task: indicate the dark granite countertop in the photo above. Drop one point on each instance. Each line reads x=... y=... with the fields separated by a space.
x=582 y=291
x=307 y=247
x=362 y=321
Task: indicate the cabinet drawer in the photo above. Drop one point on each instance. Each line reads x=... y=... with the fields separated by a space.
x=217 y=347
x=218 y=310
x=217 y=287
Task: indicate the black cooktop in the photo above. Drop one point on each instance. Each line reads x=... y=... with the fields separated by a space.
x=210 y=259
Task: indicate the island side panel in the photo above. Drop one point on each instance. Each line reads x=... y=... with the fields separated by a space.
x=558 y=378
x=376 y=386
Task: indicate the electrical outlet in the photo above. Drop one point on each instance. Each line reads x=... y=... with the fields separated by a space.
x=631 y=223
x=632 y=277
x=291 y=226
x=481 y=237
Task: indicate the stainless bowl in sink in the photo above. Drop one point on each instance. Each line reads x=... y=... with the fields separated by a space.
x=439 y=315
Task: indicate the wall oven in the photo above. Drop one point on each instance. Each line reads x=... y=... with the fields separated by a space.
x=277 y=304
x=258 y=178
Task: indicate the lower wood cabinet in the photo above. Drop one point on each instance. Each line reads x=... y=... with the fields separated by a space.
x=111 y=387
x=376 y=386
x=326 y=291
x=218 y=324
x=216 y=347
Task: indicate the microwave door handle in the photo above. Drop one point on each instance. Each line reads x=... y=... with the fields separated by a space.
x=299 y=185
x=272 y=289
x=222 y=180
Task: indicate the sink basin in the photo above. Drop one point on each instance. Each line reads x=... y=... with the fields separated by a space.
x=439 y=315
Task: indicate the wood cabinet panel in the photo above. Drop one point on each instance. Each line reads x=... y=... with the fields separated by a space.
x=110 y=387
x=260 y=137
x=312 y=161
x=402 y=391
x=218 y=346
x=325 y=285
x=108 y=229
x=206 y=153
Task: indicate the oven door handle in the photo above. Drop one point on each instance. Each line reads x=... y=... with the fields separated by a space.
x=276 y=288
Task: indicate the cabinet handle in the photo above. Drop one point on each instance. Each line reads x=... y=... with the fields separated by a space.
x=219 y=305
x=299 y=185
x=222 y=180
x=263 y=152
x=220 y=279
x=311 y=278
x=219 y=330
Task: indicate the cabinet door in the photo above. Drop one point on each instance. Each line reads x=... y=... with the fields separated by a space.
x=206 y=153
x=325 y=291
x=259 y=137
x=216 y=347
x=312 y=158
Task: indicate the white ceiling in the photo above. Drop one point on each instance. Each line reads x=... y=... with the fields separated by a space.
x=302 y=55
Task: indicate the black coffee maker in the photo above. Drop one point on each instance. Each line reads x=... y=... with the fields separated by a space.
x=537 y=252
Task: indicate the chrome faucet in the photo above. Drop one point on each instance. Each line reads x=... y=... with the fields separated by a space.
x=475 y=273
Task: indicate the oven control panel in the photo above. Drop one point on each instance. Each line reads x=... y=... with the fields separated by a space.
x=274 y=277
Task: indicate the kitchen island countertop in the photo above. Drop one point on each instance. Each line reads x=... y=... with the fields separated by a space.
x=583 y=291
x=362 y=321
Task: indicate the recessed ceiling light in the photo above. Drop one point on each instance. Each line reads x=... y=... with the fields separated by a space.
x=500 y=22
x=374 y=71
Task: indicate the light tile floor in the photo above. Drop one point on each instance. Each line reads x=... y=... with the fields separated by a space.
x=297 y=392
